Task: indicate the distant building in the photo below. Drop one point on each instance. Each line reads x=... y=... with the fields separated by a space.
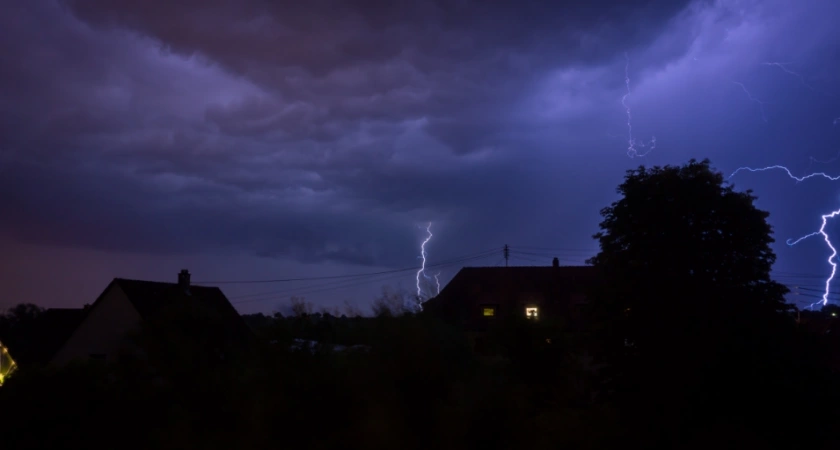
x=125 y=305
x=478 y=297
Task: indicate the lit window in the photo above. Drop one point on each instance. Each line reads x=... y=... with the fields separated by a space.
x=531 y=312
x=489 y=311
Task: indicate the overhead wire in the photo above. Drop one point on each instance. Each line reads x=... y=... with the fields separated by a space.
x=528 y=254
x=331 y=277
x=348 y=283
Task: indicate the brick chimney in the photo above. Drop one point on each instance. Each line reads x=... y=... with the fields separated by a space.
x=184 y=279
x=554 y=263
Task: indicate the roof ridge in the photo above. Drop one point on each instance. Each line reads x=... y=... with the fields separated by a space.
x=528 y=267
x=192 y=286
x=142 y=281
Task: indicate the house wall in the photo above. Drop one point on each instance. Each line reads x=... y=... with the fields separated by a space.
x=550 y=305
x=103 y=330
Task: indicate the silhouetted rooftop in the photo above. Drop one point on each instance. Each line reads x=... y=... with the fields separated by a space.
x=150 y=299
x=520 y=277
x=516 y=278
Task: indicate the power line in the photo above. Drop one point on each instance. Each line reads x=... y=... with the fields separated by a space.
x=331 y=286
x=343 y=284
x=554 y=251
x=560 y=250
x=352 y=280
x=332 y=277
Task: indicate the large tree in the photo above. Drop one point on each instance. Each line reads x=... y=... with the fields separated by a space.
x=688 y=312
x=683 y=253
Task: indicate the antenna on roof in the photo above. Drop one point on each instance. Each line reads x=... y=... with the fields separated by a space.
x=184 y=280
x=507 y=254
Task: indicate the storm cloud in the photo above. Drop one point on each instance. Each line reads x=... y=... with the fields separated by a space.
x=329 y=130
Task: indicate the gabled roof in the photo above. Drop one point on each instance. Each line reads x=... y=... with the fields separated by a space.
x=522 y=277
x=518 y=278
x=151 y=299
x=148 y=297
x=475 y=282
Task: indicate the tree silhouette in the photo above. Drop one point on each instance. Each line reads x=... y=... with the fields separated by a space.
x=684 y=253
x=687 y=300
x=19 y=330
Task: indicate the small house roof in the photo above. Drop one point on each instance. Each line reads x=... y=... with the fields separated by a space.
x=511 y=279
x=151 y=299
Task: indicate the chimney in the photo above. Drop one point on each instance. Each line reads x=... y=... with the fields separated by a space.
x=554 y=263
x=184 y=279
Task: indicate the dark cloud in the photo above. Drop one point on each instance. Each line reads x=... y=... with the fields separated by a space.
x=334 y=61
x=326 y=35
x=330 y=130
x=110 y=212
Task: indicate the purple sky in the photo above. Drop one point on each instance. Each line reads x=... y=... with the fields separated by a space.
x=250 y=140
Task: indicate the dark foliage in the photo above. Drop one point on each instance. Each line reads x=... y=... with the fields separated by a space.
x=413 y=383
x=687 y=315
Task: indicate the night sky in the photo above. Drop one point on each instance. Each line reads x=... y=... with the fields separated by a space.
x=258 y=140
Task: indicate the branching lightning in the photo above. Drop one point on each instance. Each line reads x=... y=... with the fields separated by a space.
x=422 y=257
x=821 y=231
x=753 y=99
x=831 y=262
x=787 y=171
x=633 y=146
x=827 y=161
x=785 y=68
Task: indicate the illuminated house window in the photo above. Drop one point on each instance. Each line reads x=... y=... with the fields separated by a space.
x=488 y=311
x=531 y=312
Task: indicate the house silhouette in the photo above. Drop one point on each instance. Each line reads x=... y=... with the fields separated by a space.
x=126 y=305
x=478 y=297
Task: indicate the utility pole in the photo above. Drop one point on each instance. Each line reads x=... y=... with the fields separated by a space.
x=507 y=254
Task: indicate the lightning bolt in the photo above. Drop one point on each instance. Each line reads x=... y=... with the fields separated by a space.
x=784 y=67
x=787 y=171
x=632 y=150
x=821 y=231
x=754 y=100
x=828 y=161
x=437 y=282
x=422 y=270
x=831 y=262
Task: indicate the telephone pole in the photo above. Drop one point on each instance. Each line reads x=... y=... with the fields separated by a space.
x=507 y=254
